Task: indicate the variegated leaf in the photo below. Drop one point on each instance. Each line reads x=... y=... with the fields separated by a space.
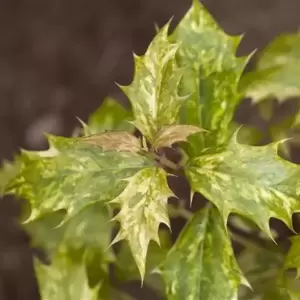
x=201 y=265
x=115 y=141
x=249 y=180
x=153 y=92
x=143 y=207
x=64 y=279
x=169 y=135
x=211 y=75
x=72 y=175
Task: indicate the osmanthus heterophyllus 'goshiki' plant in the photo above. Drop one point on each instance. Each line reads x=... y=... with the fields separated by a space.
x=184 y=91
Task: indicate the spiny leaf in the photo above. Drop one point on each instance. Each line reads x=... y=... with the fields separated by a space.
x=249 y=180
x=73 y=176
x=277 y=73
x=143 y=207
x=64 y=280
x=109 y=116
x=114 y=140
x=153 y=92
x=201 y=265
x=169 y=135
x=211 y=75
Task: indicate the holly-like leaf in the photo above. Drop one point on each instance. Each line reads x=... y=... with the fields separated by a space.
x=153 y=92
x=252 y=181
x=201 y=265
x=277 y=73
x=109 y=116
x=114 y=140
x=72 y=175
x=169 y=135
x=211 y=75
x=65 y=279
x=143 y=208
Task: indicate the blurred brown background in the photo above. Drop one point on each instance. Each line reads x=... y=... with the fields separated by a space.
x=60 y=58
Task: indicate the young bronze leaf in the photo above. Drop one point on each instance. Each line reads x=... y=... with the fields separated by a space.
x=249 y=180
x=153 y=92
x=143 y=207
x=211 y=75
x=114 y=140
x=169 y=135
x=73 y=176
x=201 y=265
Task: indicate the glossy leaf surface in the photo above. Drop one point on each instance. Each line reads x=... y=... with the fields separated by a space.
x=249 y=180
x=72 y=175
x=211 y=75
x=153 y=92
x=201 y=265
x=143 y=208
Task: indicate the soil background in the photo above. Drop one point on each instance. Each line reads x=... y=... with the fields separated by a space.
x=60 y=58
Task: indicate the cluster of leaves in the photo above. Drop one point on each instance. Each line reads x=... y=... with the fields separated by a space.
x=184 y=92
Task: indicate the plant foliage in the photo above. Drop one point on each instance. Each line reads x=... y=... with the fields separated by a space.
x=84 y=189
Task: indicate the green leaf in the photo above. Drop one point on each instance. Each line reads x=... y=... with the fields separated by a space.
x=72 y=175
x=153 y=92
x=127 y=269
x=90 y=228
x=292 y=259
x=248 y=134
x=114 y=140
x=277 y=73
x=249 y=180
x=143 y=207
x=169 y=135
x=64 y=280
x=211 y=75
x=7 y=173
x=263 y=269
x=109 y=116
x=201 y=265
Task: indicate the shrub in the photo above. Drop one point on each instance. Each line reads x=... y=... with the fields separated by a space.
x=114 y=176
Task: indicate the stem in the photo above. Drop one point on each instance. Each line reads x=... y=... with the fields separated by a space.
x=179 y=212
x=163 y=160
